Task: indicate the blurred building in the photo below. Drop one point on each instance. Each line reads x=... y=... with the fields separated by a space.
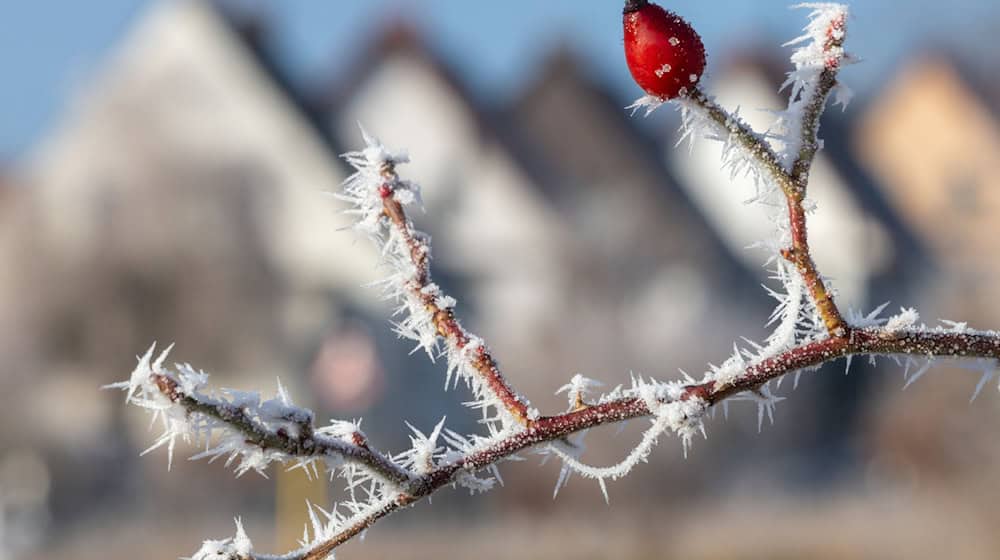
x=932 y=137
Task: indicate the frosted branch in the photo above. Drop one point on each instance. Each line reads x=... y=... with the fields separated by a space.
x=809 y=331
x=244 y=428
x=817 y=63
x=379 y=196
x=675 y=406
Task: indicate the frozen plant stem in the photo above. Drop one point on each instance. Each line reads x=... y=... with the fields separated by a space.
x=304 y=443
x=792 y=186
x=443 y=318
x=256 y=433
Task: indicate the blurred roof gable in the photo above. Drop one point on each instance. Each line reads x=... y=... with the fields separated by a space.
x=252 y=28
x=399 y=37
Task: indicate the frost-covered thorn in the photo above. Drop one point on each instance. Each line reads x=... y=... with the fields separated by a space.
x=766 y=402
x=424 y=451
x=137 y=381
x=646 y=103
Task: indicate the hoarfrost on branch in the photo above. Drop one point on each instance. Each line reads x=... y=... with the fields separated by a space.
x=809 y=329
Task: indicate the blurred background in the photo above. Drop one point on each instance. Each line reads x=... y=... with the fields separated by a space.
x=163 y=170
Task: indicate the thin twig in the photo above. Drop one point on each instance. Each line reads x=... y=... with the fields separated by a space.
x=444 y=319
x=814 y=354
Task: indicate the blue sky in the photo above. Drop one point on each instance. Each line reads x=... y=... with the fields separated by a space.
x=48 y=49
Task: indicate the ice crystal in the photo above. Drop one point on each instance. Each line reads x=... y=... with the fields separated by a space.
x=647 y=104
x=859 y=320
x=424 y=453
x=238 y=547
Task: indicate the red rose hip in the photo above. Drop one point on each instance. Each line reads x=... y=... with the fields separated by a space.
x=663 y=52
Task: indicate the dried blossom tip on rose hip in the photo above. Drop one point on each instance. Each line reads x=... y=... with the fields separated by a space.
x=663 y=52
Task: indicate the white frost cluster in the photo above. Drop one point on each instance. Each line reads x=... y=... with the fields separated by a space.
x=238 y=547
x=185 y=418
x=647 y=104
x=906 y=319
x=366 y=202
x=820 y=48
x=669 y=414
x=577 y=389
x=468 y=445
x=424 y=452
x=915 y=367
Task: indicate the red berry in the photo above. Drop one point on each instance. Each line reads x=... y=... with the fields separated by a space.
x=664 y=53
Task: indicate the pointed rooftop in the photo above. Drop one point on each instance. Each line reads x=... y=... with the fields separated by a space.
x=932 y=136
x=189 y=88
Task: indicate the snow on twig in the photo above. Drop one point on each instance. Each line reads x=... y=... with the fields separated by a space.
x=252 y=433
x=378 y=197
